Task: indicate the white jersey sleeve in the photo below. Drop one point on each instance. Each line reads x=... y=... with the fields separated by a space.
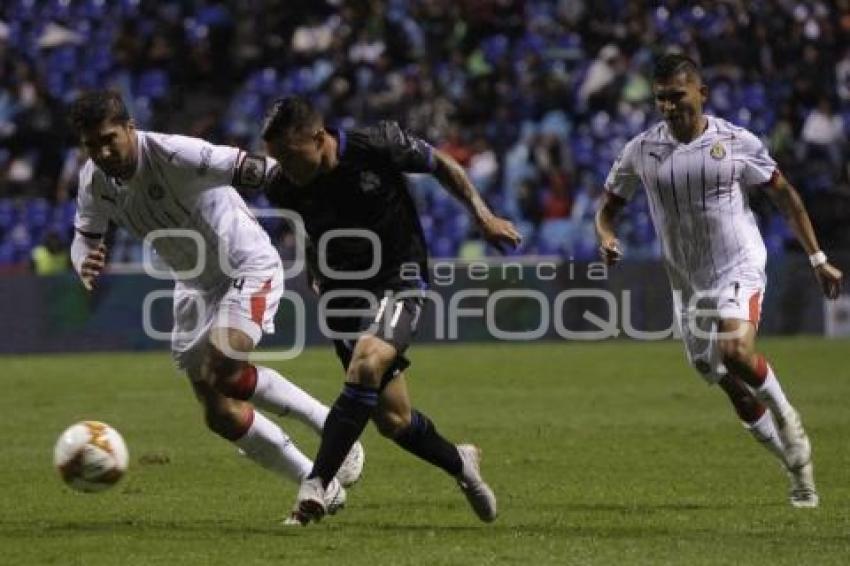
x=623 y=179
x=90 y=219
x=193 y=162
x=759 y=166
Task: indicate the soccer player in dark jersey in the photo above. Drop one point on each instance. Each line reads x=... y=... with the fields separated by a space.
x=354 y=180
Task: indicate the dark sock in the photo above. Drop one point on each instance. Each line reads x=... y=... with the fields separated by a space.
x=422 y=439
x=344 y=425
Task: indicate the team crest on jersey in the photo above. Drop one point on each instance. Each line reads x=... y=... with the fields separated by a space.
x=369 y=181
x=717 y=151
x=155 y=191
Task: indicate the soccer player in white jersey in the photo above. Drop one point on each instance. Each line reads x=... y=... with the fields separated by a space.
x=145 y=182
x=696 y=170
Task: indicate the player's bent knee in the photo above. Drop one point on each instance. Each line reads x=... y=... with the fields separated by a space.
x=371 y=359
x=365 y=371
x=222 y=371
x=391 y=424
x=735 y=352
x=225 y=419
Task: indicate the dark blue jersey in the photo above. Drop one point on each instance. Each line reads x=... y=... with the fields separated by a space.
x=367 y=190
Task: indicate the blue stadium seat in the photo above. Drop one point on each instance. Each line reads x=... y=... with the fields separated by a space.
x=556 y=236
x=444 y=247
x=8 y=214
x=494 y=48
x=265 y=81
x=8 y=254
x=152 y=84
x=62 y=59
x=37 y=213
x=583 y=154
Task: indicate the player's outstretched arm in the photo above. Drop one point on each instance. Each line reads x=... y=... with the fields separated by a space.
x=788 y=201
x=497 y=231
x=88 y=255
x=609 y=247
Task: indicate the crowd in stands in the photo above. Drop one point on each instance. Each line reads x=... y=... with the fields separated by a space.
x=534 y=97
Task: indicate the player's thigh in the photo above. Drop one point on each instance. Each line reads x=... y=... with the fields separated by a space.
x=739 y=310
x=736 y=339
x=699 y=337
x=371 y=359
x=375 y=340
x=193 y=312
x=249 y=307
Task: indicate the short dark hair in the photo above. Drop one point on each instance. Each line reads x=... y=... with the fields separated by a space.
x=290 y=115
x=94 y=107
x=670 y=65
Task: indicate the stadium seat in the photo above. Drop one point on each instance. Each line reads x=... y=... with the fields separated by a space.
x=8 y=214
x=152 y=84
x=444 y=247
x=37 y=213
x=8 y=254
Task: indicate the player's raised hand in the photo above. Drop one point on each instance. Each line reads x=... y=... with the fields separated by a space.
x=610 y=252
x=830 y=279
x=92 y=266
x=498 y=232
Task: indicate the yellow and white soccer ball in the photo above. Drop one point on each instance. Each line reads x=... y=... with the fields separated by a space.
x=91 y=456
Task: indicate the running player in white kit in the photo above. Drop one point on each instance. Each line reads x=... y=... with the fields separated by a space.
x=179 y=193
x=696 y=170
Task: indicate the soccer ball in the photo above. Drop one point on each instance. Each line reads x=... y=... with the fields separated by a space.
x=91 y=456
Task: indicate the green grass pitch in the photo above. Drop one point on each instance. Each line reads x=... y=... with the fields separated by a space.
x=600 y=454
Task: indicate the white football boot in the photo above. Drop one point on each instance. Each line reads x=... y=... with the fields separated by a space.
x=798 y=460
x=477 y=492
x=314 y=502
x=352 y=467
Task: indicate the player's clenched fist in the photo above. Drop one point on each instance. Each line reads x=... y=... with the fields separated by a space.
x=499 y=232
x=830 y=279
x=92 y=266
x=610 y=251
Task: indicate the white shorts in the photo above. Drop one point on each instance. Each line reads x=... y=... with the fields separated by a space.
x=246 y=303
x=698 y=316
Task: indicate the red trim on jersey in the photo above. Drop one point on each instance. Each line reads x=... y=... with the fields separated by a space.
x=258 y=302
x=754 y=308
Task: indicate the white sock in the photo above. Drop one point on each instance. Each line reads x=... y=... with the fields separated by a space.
x=266 y=444
x=764 y=431
x=276 y=394
x=770 y=393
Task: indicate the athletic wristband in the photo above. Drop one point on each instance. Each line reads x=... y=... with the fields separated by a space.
x=817 y=259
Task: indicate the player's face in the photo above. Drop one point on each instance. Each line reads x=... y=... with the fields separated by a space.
x=680 y=101
x=112 y=147
x=300 y=156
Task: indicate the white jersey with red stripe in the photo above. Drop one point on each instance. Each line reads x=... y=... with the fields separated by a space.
x=182 y=186
x=698 y=201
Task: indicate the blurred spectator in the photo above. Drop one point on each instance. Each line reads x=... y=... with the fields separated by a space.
x=51 y=256
x=604 y=81
x=823 y=133
x=535 y=97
